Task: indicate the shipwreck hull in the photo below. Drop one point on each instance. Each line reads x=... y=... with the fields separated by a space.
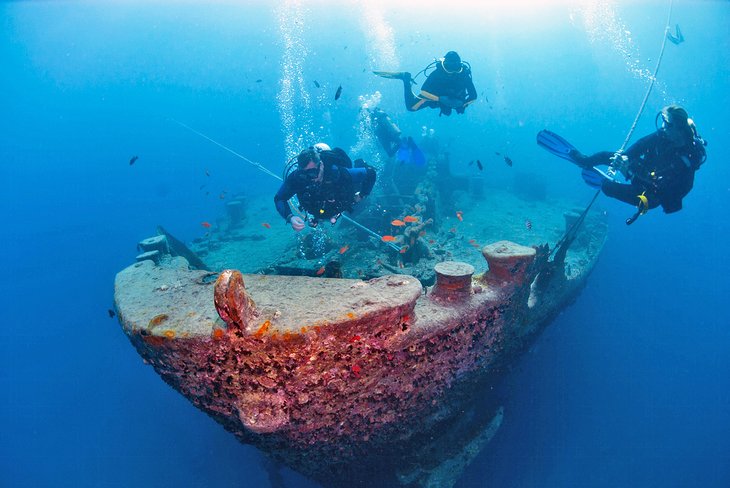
x=357 y=383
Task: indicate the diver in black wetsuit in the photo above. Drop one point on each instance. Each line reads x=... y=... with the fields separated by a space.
x=387 y=132
x=325 y=184
x=449 y=87
x=389 y=135
x=660 y=167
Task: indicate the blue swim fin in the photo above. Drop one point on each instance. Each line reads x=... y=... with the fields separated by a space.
x=595 y=176
x=410 y=153
x=592 y=178
x=556 y=145
x=403 y=155
x=417 y=156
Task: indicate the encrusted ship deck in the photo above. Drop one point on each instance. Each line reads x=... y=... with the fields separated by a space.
x=379 y=382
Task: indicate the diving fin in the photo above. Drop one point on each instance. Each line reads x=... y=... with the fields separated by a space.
x=595 y=176
x=592 y=178
x=393 y=75
x=678 y=38
x=558 y=146
x=410 y=153
x=417 y=156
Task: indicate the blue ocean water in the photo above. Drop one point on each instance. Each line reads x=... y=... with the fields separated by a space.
x=628 y=387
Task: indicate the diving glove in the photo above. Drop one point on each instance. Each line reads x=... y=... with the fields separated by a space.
x=620 y=163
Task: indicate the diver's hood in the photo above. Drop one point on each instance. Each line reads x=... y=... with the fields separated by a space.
x=451 y=62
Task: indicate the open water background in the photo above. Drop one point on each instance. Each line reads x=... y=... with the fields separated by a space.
x=628 y=387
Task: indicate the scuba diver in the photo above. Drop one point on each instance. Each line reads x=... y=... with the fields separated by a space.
x=325 y=183
x=389 y=135
x=448 y=87
x=385 y=130
x=659 y=169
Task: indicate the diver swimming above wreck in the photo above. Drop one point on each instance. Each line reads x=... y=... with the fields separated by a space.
x=325 y=183
x=449 y=87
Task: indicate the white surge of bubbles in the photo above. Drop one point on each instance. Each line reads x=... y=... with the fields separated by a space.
x=366 y=144
x=603 y=24
x=293 y=98
x=380 y=37
x=382 y=55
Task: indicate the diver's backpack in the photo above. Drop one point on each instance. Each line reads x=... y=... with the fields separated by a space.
x=337 y=157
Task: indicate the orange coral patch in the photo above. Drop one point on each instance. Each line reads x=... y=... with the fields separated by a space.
x=158 y=319
x=263 y=329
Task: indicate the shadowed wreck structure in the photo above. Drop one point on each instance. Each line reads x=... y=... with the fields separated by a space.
x=380 y=382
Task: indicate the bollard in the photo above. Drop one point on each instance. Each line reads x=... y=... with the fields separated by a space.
x=453 y=280
x=507 y=262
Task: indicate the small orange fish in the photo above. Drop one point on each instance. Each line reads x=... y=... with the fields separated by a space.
x=410 y=218
x=320 y=271
x=387 y=239
x=398 y=223
x=205 y=224
x=459 y=215
x=344 y=249
x=403 y=249
x=354 y=338
x=266 y=224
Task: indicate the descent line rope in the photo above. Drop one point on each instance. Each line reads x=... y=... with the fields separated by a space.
x=576 y=225
x=268 y=172
x=653 y=79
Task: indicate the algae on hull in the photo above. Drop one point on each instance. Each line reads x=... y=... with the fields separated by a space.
x=337 y=378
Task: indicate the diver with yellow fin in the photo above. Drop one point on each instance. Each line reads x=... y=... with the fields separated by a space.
x=659 y=169
x=448 y=87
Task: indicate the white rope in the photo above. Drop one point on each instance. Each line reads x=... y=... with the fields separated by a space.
x=254 y=163
x=265 y=170
x=651 y=84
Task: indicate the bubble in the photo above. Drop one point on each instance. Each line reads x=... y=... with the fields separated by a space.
x=603 y=24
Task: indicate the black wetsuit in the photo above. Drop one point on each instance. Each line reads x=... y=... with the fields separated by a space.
x=442 y=90
x=333 y=195
x=386 y=131
x=663 y=173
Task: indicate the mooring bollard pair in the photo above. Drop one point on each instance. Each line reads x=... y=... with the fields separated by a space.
x=508 y=262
